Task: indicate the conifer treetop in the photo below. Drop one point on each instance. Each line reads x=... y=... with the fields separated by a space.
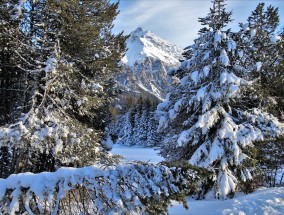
x=218 y=17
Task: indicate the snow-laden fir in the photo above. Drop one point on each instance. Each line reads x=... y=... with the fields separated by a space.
x=54 y=110
x=215 y=115
x=93 y=190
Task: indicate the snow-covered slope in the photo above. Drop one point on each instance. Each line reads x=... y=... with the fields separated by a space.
x=142 y=44
x=147 y=62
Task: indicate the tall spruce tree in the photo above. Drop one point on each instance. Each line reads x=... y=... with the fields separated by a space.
x=74 y=55
x=265 y=50
x=270 y=152
x=213 y=117
x=17 y=60
x=14 y=55
x=260 y=42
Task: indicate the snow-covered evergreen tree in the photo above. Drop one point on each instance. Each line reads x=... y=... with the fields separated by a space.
x=276 y=81
x=75 y=53
x=136 y=125
x=213 y=117
x=153 y=137
x=125 y=133
x=141 y=125
x=119 y=189
x=15 y=53
x=260 y=50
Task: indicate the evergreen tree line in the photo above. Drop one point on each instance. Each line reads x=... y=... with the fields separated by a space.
x=56 y=65
x=136 y=124
x=228 y=107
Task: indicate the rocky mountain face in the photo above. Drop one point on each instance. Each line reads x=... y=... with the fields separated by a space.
x=145 y=66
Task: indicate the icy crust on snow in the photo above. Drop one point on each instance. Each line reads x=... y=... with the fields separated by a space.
x=142 y=44
x=117 y=189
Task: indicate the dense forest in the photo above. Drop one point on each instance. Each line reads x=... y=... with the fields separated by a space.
x=220 y=128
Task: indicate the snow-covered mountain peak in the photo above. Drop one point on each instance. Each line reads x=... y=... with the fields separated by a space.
x=142 y=44
x=139 y=32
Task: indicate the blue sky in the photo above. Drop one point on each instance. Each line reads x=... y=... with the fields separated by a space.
x=177 y=20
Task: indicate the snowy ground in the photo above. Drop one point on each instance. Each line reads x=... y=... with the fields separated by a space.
x=262 y=202
x=137 y=153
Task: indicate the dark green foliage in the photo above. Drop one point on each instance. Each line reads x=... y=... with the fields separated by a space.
x=263 y=23
x=13 y=80
x=191 y=181
x=273 y=85
x=264 y=20
x=270 y=159
x=187 y=54
x=218 y=17
x=196 y=188
x=5 y=159
x=57 y=59
x=160 y=206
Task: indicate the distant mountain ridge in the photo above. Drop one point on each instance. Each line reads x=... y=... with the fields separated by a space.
x=142 y=44
x=147 y=62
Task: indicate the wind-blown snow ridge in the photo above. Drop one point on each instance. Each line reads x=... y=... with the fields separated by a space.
x=142 y=44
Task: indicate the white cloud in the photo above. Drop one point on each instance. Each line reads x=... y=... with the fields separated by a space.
x=176 y=20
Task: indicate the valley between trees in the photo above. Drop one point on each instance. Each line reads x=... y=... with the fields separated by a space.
x=71 y=90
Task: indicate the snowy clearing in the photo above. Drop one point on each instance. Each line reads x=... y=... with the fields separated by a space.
x=137 y=153
x=265 y=201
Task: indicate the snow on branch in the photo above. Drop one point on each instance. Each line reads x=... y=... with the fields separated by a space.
x=18 y=9
x=89 y=190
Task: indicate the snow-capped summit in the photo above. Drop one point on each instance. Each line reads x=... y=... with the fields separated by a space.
x=142 y=44
x=139 y=32
x=147 y=63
